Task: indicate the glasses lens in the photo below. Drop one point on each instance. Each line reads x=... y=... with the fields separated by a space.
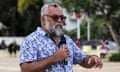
x=56 y=17
x=63 y=18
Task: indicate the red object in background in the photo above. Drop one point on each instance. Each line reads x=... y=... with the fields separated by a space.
x=78 y=15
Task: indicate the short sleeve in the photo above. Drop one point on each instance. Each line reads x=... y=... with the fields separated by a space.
x=78 y=54
x=28 y=51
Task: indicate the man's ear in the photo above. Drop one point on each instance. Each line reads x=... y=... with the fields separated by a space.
x=42 y=19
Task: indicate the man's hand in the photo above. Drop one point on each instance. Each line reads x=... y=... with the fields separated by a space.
x=92 y=61
x=61 y=54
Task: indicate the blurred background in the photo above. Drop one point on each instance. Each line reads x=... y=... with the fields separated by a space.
x=88 y=23
x=86 y=19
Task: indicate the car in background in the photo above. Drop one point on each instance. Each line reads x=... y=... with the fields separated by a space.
x=94 y=43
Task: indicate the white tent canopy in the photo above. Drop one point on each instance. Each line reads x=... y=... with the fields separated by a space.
x=2 y=26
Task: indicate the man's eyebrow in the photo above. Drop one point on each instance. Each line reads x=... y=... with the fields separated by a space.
x=57 y=14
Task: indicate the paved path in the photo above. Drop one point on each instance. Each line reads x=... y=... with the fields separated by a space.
x=11 y=64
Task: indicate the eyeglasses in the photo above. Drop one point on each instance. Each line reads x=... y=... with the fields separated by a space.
x=56 y=17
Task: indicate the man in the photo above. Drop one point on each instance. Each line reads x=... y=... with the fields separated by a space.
x=42 y=50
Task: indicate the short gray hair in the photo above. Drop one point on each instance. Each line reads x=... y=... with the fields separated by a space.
x=45 y=7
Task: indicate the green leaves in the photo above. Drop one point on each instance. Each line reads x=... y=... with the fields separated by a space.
x=23 y=4
x=100 y=11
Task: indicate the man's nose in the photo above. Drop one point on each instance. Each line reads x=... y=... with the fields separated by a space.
x=59 y=20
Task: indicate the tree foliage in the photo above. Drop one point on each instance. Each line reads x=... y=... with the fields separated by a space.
x=23 y=4
x=20 y=16
x=29 y=15
x=106 y=10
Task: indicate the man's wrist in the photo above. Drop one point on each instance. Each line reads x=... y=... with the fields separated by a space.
x=52 y=59
x=87 y=58
x=94 y=55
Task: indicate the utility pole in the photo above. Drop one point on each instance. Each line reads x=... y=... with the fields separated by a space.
x=88 y=28
x=78 y=16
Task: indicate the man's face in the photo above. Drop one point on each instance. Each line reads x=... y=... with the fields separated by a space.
x=55 y=20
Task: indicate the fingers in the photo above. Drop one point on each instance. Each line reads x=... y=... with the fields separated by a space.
x=95 y=61
x=98 y=62
x=61 y=54
x=65 y=51
x=89 y=61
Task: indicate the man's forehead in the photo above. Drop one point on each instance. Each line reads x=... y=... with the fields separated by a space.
x=54 y=10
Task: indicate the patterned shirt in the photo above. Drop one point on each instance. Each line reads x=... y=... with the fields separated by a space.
x=38 y=46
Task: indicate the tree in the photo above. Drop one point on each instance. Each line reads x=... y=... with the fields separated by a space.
x=28 y=15
x=24 y=4
x=108 y=11
x=8 y=14
x=20 y=16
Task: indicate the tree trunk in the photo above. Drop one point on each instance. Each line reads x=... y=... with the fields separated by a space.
x=114 y=36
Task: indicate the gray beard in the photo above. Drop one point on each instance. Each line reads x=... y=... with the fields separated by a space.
x=56 y=31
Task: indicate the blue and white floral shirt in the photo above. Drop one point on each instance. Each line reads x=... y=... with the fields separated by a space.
x=38 y=46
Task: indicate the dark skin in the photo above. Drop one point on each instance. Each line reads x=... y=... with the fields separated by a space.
x=60 y=55
x=92 y=61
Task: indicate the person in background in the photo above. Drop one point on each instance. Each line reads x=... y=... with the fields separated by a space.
x=12 y=48
x=104 y=48
x=48 y=49
x=3 y=45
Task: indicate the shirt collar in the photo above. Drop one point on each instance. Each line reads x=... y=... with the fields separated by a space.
x=41 y=31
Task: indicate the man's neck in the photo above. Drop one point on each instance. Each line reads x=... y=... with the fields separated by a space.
x=56 y=39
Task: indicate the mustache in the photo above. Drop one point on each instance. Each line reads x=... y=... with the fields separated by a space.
x=57 y=30
x=58 y=26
